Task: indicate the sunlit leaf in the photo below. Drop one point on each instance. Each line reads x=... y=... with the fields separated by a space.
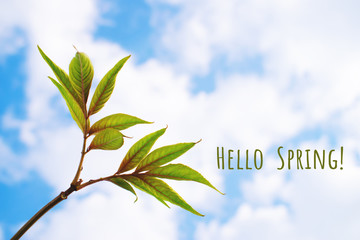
x=123 y=184
x=75 y=110
x=160 y=190
x=163 y=155
x=117 y=121
x=62 y=76
x=81 y=74
x=140 y=184
x=139 y=150
x=179 y=172
x=105 y=88
x=108 y=139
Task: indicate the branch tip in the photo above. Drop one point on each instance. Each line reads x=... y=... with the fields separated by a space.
x=75 y=48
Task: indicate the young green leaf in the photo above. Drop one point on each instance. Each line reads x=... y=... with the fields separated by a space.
x=61 y=75
x=117 y=121
x=81 y=74
x=139 y=150
x=140 y=184
x=179 y=172
x=105 y=88
x=163 y=155
x=160 y=190
x=75 y=110
x=108 y=139
x=123 y=184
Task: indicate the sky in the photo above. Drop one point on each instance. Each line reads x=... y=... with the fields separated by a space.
x=238 y=74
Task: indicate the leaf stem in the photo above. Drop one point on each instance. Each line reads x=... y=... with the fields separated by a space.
x=62 y=196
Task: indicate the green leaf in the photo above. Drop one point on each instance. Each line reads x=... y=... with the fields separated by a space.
x=179 y=172
x=75 y=110
x=105 y=88
x=140 y=184
x=117 y=121
x=163 y=155
x=139 y=150
x=108 y=139
x=123 y=184
x=81 y=74
x=160 y=190
x=62 y=76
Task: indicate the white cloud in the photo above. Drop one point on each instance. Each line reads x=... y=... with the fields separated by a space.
x=310 y=56
x=11 y=165
x=306 y=49
x=324 y=197
x=11 y=37
x=90 y=217
x=250 y=223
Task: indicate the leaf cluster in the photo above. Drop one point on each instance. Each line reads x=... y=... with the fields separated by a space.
x=140 y=168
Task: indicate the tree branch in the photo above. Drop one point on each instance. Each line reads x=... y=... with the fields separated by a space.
x=62 y=196
x=75 y=182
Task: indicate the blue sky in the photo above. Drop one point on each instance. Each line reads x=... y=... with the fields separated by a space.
x=238 y=74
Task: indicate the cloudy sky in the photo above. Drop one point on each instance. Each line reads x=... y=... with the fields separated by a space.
x=238 y=74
